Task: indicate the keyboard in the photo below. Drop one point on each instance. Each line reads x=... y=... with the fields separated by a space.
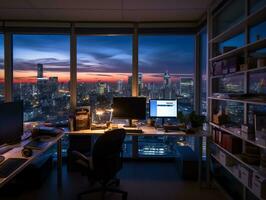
x=10 y=165
x=5 y=149
x=130 y=130
x=37 y=144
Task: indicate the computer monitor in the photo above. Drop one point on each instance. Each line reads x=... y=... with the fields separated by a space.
x=163 y=108
x=129 y=108
x=11 y=122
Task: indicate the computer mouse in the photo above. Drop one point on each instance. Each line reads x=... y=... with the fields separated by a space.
x=26 y=152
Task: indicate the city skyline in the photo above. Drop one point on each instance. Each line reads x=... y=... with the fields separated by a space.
x=101 y=58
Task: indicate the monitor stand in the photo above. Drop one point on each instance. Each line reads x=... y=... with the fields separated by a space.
x=130 y=125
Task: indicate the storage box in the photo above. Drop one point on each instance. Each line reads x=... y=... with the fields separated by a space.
x=231 y=143
x=244 y=175
x=261 y=62
x=217 y=68
x=222 y=158
x=247 y=132
x=260 y=128
x=259 y=185
x=236 y=170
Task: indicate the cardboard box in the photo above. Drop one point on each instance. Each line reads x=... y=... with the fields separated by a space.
x=259 y=185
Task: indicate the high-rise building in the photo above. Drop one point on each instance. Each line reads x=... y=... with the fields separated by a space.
x=167 y=93
x=186 y=87
x=119 y=86
x=166 y=79
x=101 y=88
x=39 y=70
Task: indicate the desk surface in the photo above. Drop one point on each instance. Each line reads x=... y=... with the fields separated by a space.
x=16 y=153
x=147 y=131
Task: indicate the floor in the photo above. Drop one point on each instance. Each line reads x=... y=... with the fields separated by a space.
x=142 y=180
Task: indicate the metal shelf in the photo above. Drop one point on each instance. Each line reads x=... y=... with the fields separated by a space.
x=239 y=72
x=229 y=170
x=237 y=135
x=239 y=101
x=237 y=157
x=240 y=26
x=250 y=47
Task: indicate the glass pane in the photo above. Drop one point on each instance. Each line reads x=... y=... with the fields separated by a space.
x=234 y=110
x=257 y=82
x=256 y=5
x=228 y=85
x=252 y=109
x=166 y=71
x=41 y=76
x=230 y=15
x=2 y=98
x=104 y=71
x=257 y=32
x=166 y=66
x=230 y=44
x=203 y=67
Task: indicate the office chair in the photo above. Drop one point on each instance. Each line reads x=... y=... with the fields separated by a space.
x=104 y=164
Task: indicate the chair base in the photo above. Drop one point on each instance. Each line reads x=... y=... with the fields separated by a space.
x=103 y=190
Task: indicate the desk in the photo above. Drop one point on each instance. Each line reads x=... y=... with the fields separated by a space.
x=150 y=131
x=16 y=153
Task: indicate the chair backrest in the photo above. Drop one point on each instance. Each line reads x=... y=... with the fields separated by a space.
x=106 y=154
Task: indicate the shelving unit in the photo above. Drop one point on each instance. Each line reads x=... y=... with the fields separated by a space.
x=236 y=177
x=243 y=26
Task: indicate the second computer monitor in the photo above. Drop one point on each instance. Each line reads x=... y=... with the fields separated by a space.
x=163 y=108
x=129 y=107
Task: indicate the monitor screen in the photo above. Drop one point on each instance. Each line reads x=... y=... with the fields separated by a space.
x=129 y=107
x=11 y=122
x=163 y=108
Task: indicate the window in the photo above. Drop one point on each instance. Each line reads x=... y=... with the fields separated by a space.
x=256 y=5
x=203 y=68
x=232 y=43
x=166 y=71
x=257 y=32
x=2 y=68
x=166 y=68
x=104 y=70
x=41 y=76
x=233 y=13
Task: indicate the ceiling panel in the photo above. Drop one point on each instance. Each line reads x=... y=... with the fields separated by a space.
x=75 y=4
x=82 y=15
x=103 y=10
x=149 y=4
x=163 y=15
x=14 y=4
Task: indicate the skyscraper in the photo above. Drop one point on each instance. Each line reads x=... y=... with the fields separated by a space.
x=120 y=86
x=186 y=87
x=167 y=86
x=39 y=70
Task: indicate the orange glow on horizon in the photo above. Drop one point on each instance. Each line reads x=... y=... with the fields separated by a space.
x=30 y=76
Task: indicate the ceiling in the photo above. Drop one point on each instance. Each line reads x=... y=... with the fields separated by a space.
x=103 y=10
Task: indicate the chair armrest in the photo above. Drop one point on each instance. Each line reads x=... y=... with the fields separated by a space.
x=82 y=159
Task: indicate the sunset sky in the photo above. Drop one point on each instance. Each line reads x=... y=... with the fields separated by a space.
x=100 y=58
